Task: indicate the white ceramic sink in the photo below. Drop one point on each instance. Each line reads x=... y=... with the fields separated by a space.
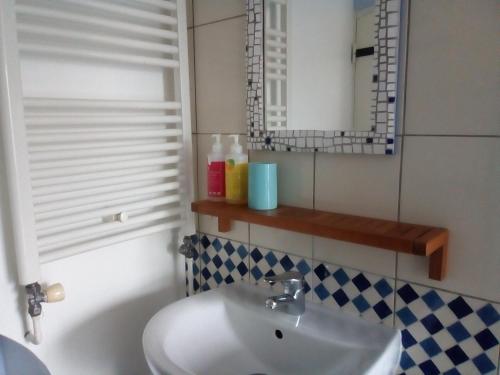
x=228 y=331
x=16 y=359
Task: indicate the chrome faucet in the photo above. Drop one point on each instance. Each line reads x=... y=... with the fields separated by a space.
x=292 y=301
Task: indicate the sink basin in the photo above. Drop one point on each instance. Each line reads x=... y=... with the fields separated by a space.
x=229 y=331
x=17 y=359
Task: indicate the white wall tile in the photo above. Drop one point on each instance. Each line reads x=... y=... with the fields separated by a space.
x=220 y=77
x=282 y=240
x=238 y=232
x=358 y=185
x=362 y=185
x=455 y=183
x=295 y=176
x=206 y=11
x=192 y=79
x=364 y=258
x=295 y=188
x=195 y=175
x=452 y=80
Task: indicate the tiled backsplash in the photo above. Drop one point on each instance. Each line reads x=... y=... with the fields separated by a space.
x=442 y=332
x=222 y=262
x=446 y=332
x=367 y=295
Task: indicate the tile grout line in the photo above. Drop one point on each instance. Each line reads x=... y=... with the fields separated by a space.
x=358 y=269
x=452 y=135
x=314 y=207
x=192 y=13
x=314 y=181
x=199 y=265
x=197 y=149
x=397 y=135
x=362 y=271
x=403 y=127
x=219 y=20
x=196 y=119
x=450 y=291
x=221 y=133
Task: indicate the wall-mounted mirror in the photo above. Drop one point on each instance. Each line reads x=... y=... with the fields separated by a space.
x=324 y=75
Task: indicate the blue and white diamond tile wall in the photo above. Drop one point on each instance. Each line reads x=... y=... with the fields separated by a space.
x=266 y=262
x=445 y=333
x=222 y=261
x=196 y=267
x=355 y=292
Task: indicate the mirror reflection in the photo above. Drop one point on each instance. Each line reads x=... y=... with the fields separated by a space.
x=319 y=64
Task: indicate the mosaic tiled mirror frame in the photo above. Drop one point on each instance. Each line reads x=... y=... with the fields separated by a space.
x=388 y=77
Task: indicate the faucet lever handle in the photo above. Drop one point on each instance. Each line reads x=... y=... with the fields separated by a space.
x=285 y=277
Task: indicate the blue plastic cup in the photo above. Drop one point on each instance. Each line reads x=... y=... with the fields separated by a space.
x=263 y=186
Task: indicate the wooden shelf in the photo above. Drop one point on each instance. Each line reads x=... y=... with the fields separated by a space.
x=414 y=239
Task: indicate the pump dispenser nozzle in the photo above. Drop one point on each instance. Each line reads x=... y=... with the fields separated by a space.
x=236 y=147
x=217 y=146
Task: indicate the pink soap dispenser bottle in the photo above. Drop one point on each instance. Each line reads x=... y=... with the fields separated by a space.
x=216 y=178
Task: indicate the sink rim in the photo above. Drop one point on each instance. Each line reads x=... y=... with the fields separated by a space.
x=247 y=297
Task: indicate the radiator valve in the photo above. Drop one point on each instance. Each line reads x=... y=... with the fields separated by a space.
x=35 y=296
x=187 y=248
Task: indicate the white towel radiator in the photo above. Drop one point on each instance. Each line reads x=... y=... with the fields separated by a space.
x=87 y=172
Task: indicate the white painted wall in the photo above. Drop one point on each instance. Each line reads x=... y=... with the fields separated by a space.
x=111 y=292
x=320 y=72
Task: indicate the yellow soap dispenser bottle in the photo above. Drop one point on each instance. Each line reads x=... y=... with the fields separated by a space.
x=236 y=173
